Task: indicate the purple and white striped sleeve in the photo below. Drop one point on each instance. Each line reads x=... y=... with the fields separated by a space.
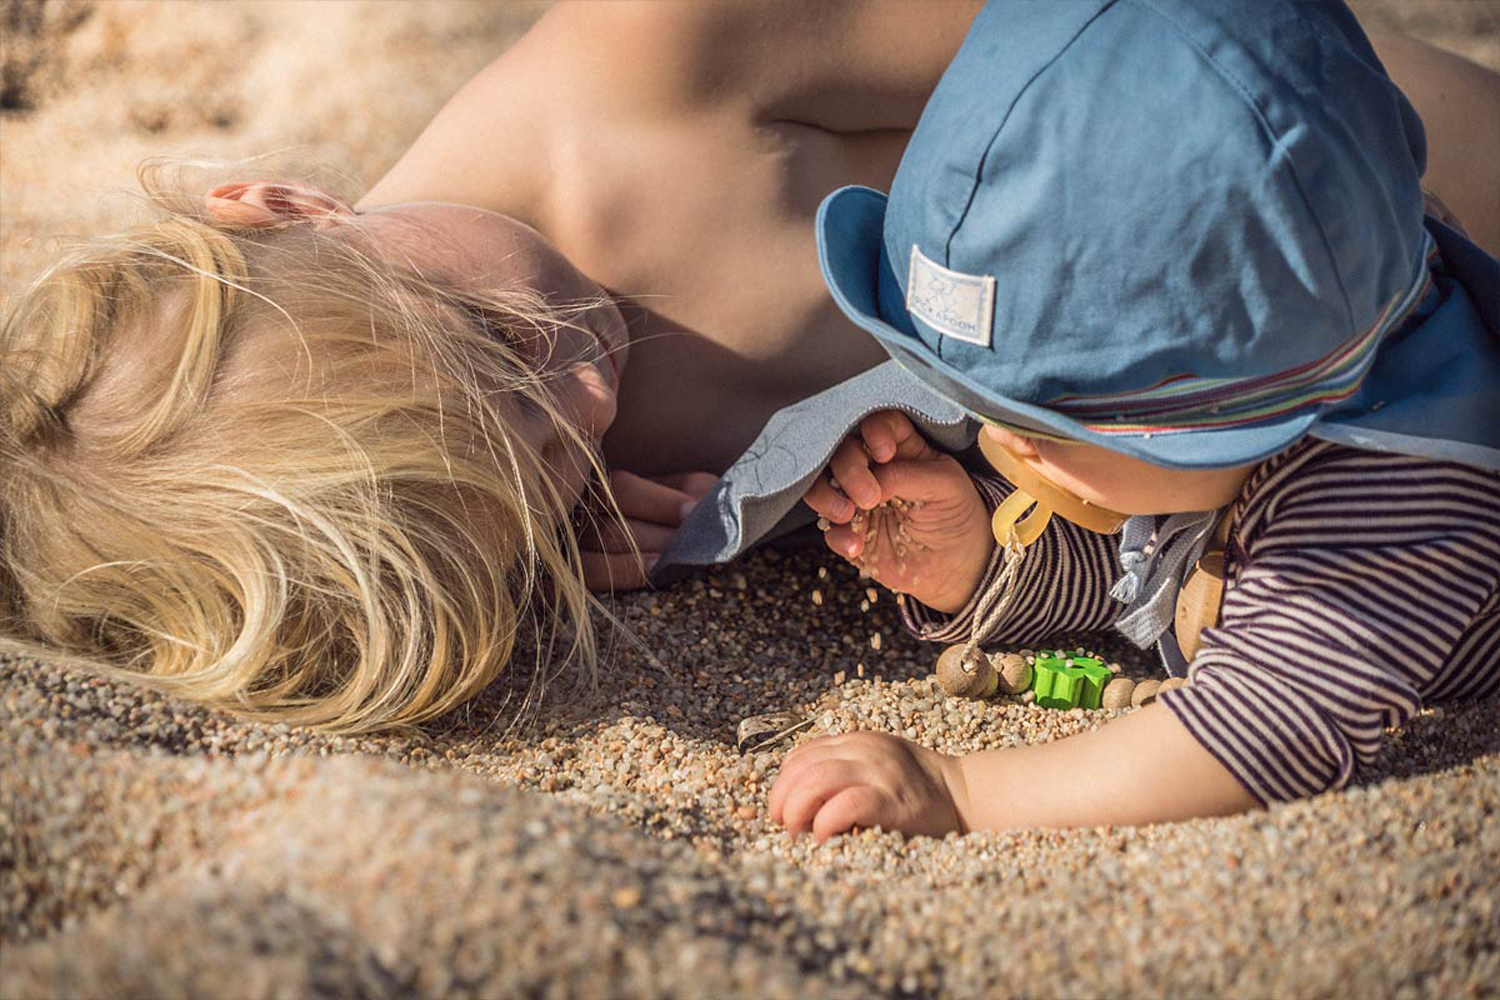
x=1363 y=585
x=1063 y=586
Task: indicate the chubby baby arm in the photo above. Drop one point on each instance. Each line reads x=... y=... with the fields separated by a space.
x=1142 y=768
x=933 y=539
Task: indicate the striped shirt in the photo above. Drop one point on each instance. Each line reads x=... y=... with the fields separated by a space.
x=1359 y=587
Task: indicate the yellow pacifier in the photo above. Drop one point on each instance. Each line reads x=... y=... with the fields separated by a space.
x=1025 y=513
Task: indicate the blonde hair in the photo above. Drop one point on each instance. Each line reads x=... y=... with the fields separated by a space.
x=347 y=538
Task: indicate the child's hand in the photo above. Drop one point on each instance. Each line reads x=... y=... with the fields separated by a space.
x=904 y=512
x=619 y=555
x=833 y=784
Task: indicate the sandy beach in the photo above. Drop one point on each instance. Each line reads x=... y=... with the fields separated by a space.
x=613 y=841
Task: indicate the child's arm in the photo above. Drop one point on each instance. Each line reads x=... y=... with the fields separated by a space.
x=870 y=779
x=617 y=552
x=1142 y=768
x=1349 y=606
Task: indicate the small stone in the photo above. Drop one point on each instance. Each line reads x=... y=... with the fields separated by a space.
x=875 y=641
x=817 y=597
x=745 y=812
x=966 y=673
x=1117 y=693
x=627 y=898
x=1145 y=692
x=1015 y=673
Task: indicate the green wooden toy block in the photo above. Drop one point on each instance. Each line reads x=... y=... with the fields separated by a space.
x=1063 y=681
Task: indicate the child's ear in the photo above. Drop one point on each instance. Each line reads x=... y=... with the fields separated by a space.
x=252 y=204
x=1016 y=444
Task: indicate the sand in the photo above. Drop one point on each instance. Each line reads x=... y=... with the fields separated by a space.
x=615 y=843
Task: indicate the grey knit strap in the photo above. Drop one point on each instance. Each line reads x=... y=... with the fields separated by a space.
x=1154 y=552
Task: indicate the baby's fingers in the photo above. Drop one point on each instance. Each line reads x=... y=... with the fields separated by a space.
x=850 y=465
x=796 y=763
x=845 y=541
x=890 y=434
x=857 y=805
x=940 y=479
x=810 y=787
x=829 y=502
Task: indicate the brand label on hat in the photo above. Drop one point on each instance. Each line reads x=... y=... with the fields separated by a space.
x=962 y=306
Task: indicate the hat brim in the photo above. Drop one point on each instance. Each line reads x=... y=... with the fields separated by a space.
x=850 y=231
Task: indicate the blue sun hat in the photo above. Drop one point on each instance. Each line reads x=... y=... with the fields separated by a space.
x=1190 y=231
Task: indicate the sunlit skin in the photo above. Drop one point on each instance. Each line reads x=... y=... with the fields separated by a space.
x=676 y=154
x=1119 y=482
x=477 y=249
x=1145 y=767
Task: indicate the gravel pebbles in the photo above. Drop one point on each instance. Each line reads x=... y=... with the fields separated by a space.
x=615 y=843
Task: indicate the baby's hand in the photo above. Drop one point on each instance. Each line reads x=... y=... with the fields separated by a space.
x=905 y=513
x=833 y=784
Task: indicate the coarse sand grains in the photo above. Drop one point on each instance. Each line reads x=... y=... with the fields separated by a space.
x=615 y=843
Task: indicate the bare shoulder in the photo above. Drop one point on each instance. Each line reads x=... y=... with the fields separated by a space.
x=630 y=66
x=855 y=64
x=675 y=76
x=1451 y=95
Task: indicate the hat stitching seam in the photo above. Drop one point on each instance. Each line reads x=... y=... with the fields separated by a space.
x=990 y=146
x=1234 y=82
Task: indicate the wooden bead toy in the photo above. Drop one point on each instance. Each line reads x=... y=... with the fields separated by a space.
x=965 y=672
x=1015 y=673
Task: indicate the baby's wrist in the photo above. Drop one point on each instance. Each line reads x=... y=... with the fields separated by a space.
x=986 y=796
x=956 y=782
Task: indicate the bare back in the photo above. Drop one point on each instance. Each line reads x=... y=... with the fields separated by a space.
x=687 y=185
